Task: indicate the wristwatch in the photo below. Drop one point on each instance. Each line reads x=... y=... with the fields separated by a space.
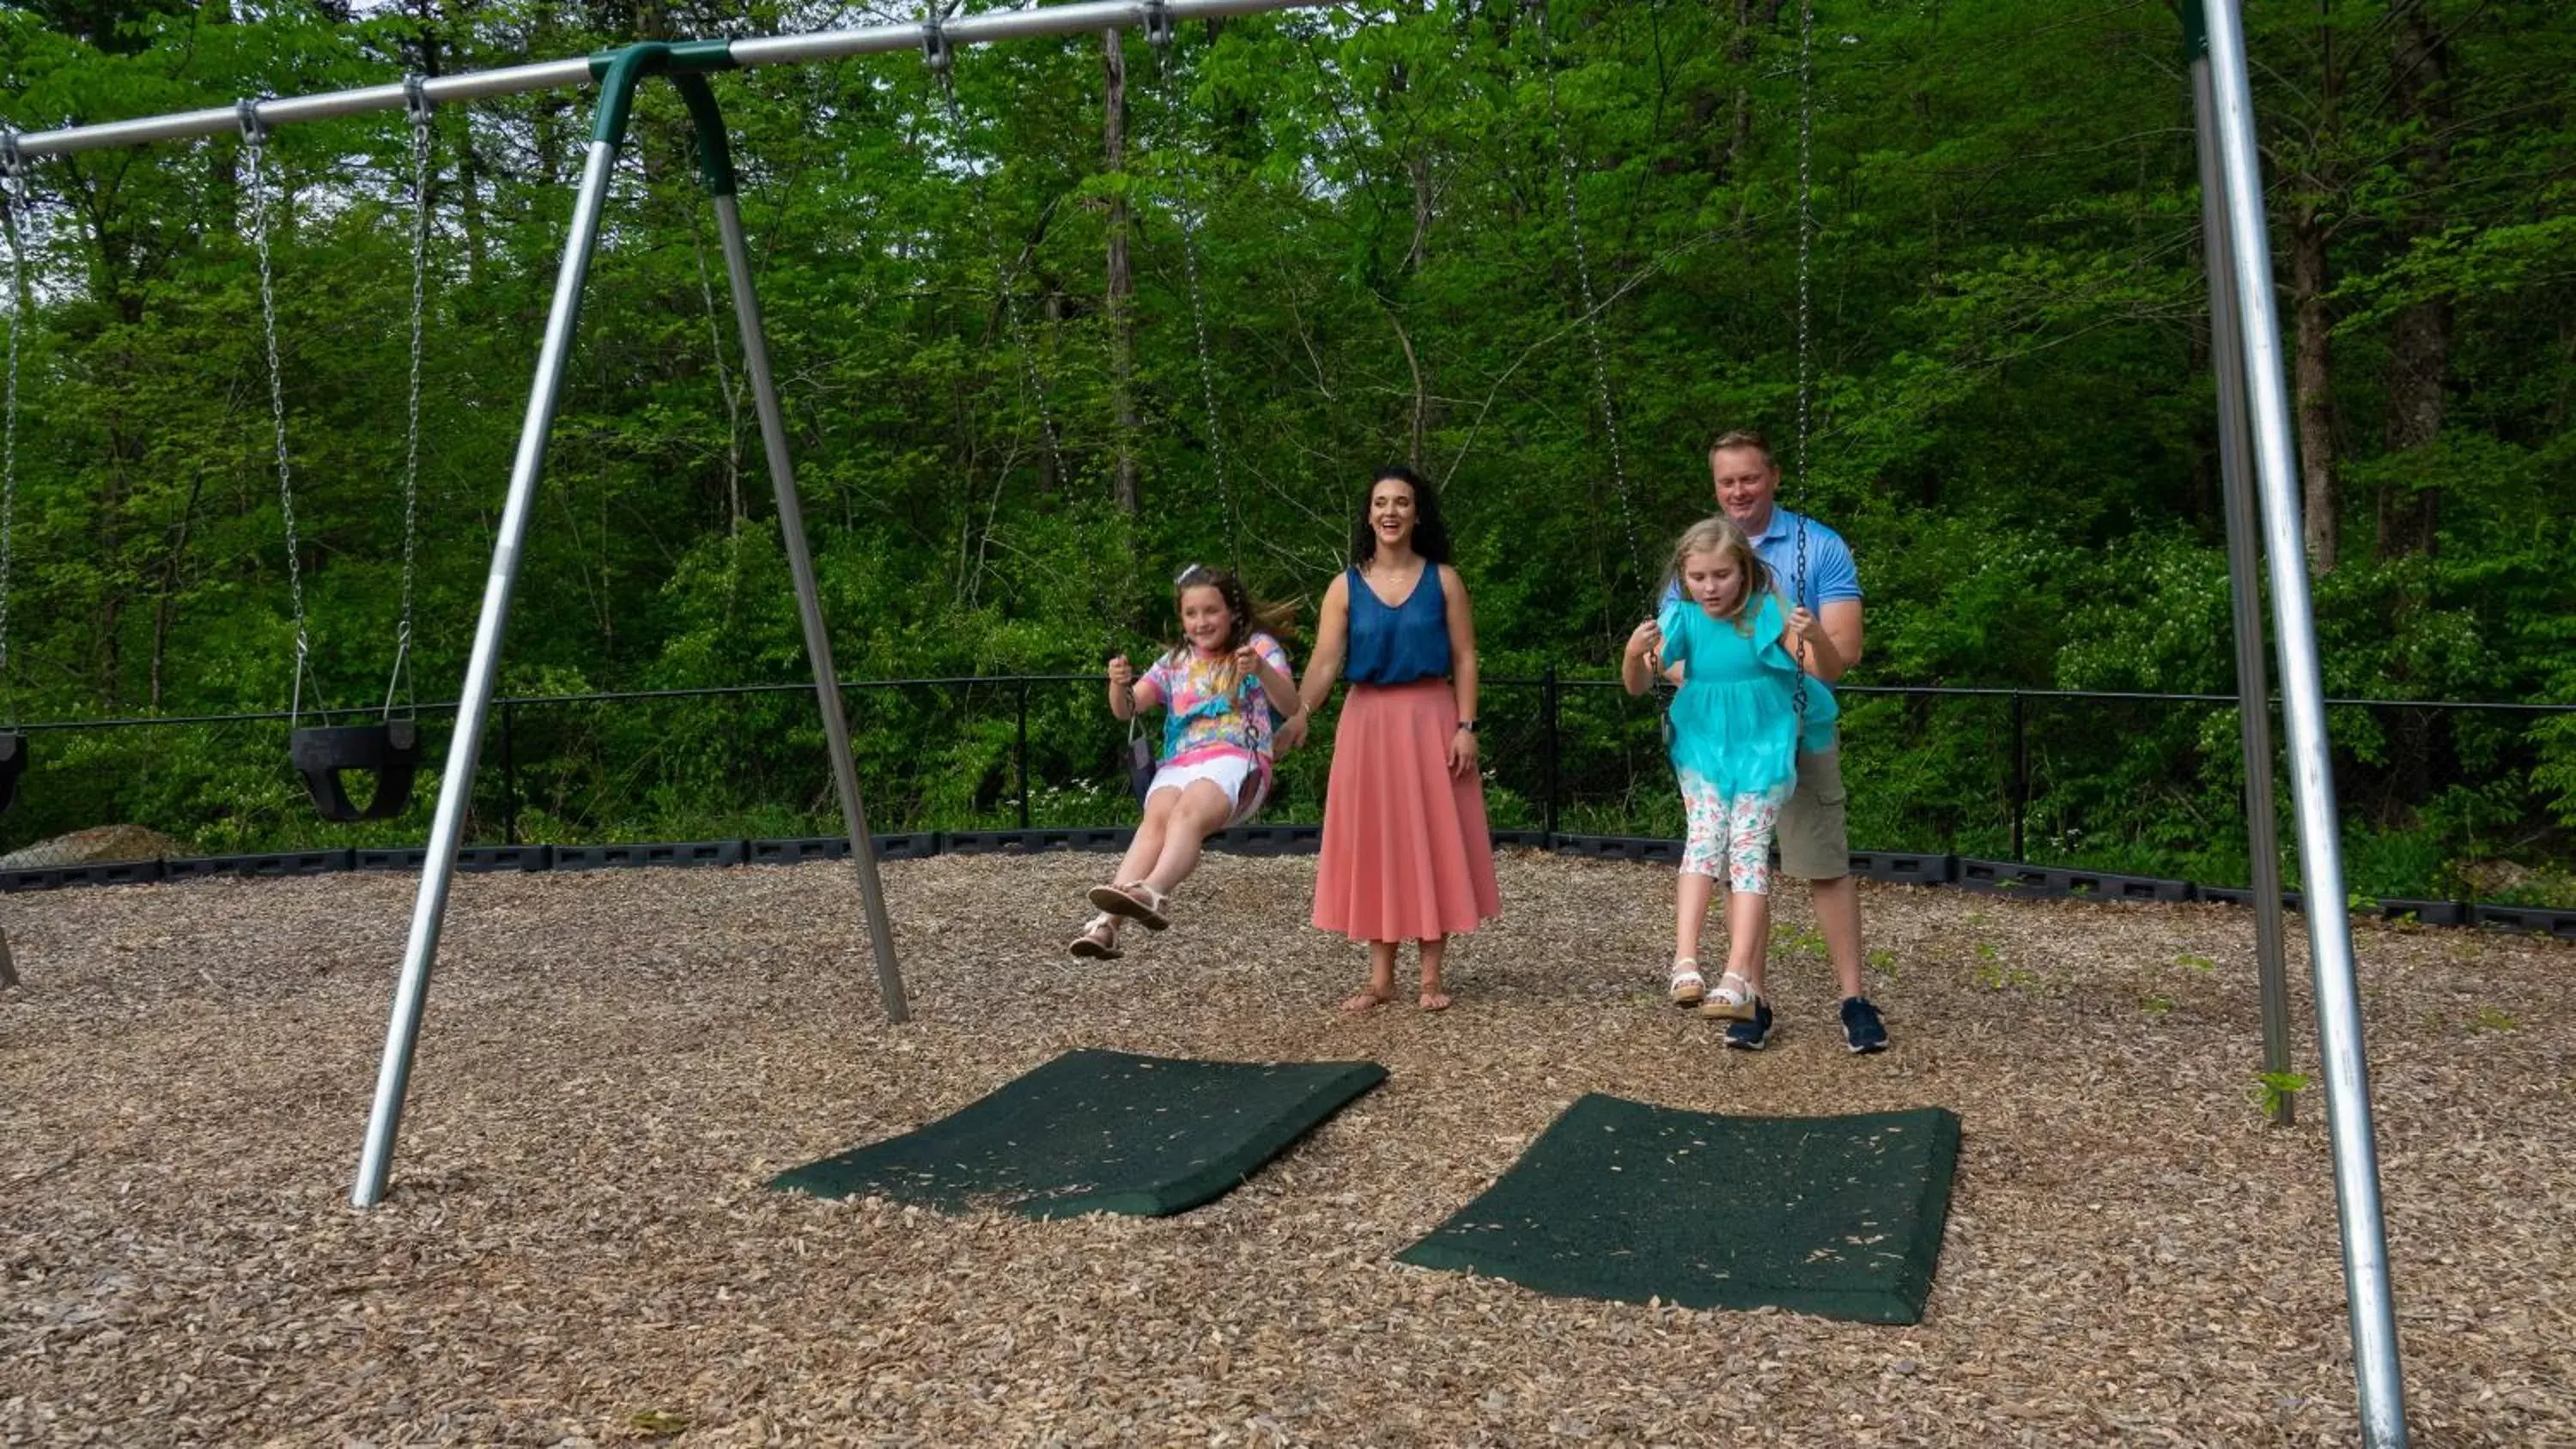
x=1468 y=725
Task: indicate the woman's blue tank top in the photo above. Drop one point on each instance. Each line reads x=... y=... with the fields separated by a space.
x=1402 y=644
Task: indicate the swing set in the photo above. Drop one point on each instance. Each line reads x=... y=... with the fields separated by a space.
x=2257 y=451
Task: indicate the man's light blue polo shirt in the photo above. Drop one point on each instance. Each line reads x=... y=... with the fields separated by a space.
x=1831 y=574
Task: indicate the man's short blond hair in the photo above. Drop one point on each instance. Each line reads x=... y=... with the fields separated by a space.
x=1744 y=438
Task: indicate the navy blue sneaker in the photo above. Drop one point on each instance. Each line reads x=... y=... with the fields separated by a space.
x=1754 y=1034
x=1862 y=1029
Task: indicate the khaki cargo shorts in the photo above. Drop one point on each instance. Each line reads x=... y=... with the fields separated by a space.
x=1815 y=836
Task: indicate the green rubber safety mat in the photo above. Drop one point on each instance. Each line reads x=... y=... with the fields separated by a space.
x=1099 y=1132
x=1838 y=1216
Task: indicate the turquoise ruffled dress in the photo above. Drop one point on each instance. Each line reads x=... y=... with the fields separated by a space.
x=1735 y=717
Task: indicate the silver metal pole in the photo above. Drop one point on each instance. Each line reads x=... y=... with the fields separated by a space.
x=482 y=672
x=178 y=125
x=2356 y=1159
x=2245 y=595
x=995 y=25
x=548 y=75
x=809 y=604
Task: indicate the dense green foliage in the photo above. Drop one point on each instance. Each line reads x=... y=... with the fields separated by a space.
x=2014 y=422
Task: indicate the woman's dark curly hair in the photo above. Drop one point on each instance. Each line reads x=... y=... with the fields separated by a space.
x=1430 y=533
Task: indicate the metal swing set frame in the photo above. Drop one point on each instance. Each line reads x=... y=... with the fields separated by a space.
x=2259 y=465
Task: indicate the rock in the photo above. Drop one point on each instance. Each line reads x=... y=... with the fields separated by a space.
x=94 y=846
x=2510 y=883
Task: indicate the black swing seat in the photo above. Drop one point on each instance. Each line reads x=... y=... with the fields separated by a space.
x=13 y=765
x=390 y=751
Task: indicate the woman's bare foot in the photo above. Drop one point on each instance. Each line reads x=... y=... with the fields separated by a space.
x=1369 y=1000
x=1434 y=999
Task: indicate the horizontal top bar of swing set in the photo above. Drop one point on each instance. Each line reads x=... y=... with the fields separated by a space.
x=1093 y=15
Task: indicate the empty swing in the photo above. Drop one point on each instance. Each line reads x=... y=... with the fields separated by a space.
x=388 y=748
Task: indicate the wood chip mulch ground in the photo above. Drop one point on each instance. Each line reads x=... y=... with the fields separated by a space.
x=579 y=1247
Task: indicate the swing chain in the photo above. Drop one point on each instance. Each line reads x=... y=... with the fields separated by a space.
x=1806 y=326
x=418 y=107
x=936 y=52
x=1159 y=30
x=254 y=145
x=941 y=58
x=1583 y=278
x=12 y=188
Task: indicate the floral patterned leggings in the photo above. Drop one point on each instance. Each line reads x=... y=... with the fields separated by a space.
x=1737 y=831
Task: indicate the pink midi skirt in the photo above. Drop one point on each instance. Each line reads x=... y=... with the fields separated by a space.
x=1406 y=852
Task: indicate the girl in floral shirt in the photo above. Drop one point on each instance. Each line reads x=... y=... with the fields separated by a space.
x=1223 y=688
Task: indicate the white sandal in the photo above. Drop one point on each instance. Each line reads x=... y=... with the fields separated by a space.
x=1099 y=939
x=1136 y=900
x=1734 y=999
x=1688 y=987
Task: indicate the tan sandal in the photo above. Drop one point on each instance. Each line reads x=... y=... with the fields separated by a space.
x=1733 y=1000
x=1136 y=900
x=1688 y=986
x=1099 y=939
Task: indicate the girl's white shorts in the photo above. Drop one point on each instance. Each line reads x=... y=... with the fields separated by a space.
x=1246 y=786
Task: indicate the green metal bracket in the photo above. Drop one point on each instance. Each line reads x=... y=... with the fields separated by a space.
x=715 y=157
x=618 y=71
x=2195 y=31
x=701 y=57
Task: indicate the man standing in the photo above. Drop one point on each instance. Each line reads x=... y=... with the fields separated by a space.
x=1814 y=836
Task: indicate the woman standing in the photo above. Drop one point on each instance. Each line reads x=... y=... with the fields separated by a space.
x=1406 y=855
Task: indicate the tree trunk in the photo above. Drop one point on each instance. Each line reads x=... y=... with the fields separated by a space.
x=2420 y=346
x=165 y=611
x=1739 y=55
x=1418 y=435
x=2313 y=188
x=469 y=185
x=1122 y=282
x=737 y=511
x=2309 y=279
x=122 y=446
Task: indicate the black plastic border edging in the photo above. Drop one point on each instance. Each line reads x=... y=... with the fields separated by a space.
x=2442 y=913
x=1991 y=877
x=2292 y=900
x=1619 y=847
x=54 y=877
x=1033 y=842
x=686 y=852
x=1271 y=840
x=1997 y=877
x=1905 y=867
x=274 y=863
x=2561 y=924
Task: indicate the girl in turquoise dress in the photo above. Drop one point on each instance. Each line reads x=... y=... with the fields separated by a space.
x=1742 y=711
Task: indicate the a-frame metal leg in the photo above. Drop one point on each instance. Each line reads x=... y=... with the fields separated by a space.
x=791 y=532
x=2368 y=1298
x=2245 y=590
x=618 y=73
x=482 y=673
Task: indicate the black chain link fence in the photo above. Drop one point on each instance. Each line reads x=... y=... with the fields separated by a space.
x=2149 y=784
